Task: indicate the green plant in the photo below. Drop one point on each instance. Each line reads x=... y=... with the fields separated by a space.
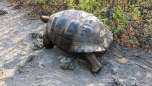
x=145 y=33
x=126 y=18
x=150 y=21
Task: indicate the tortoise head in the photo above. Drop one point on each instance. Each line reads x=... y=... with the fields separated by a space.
x=45 y=19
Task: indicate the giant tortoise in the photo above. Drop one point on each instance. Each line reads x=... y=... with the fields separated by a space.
x=76 y=31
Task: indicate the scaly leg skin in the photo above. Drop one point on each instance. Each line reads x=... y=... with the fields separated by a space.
x=47 y=42
x=95 y=64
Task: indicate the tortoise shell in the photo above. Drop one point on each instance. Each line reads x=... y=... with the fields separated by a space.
x=78 y=31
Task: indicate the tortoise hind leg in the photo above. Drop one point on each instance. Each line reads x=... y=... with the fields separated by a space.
x=47 y=42
x=95 y=64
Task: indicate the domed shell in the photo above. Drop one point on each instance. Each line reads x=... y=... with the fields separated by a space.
x=78 y=31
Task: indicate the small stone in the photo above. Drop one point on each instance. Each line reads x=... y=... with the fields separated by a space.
x=121 y=60
x=41 y=65
x=30 y=58
x=34 y=35
x=114 y=70
x=106 y=62
x=23 y=53
x=66 y=63
x=19 y=66
x=117 y=82
x=40 y=35
x=38 y=44
x=132 y=81
x=2 y=12
x=19 y=6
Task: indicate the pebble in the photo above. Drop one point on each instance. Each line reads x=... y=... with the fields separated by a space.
x=121 y=60
x=114 y=70
x=41 y=65
x=2 y=12
x=30 y=58
x=33 y=35
x=23 y=53
x=67 y=63
x=19 y=6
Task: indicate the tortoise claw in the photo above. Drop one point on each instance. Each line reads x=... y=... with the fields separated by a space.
x=95 y=64
x=96 y=69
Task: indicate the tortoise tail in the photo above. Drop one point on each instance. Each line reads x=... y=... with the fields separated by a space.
x=45 y=19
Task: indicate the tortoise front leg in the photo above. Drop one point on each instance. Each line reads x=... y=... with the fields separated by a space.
x=95 y=64
x=47 y=42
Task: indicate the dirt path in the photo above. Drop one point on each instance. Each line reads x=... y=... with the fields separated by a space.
x=23 y=63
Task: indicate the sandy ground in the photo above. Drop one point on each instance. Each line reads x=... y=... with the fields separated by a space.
x=24 y=62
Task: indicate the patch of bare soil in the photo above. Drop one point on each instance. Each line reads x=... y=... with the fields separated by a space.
x=24 y=61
